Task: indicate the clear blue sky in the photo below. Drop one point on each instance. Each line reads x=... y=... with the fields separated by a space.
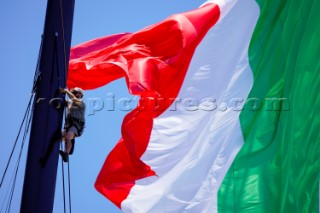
x=21 y=28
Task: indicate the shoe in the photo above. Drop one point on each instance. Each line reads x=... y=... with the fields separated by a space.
x=72 y=147
x=64 y=156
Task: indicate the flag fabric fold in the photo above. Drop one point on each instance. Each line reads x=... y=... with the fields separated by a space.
x=227 y=119
x=148 y=60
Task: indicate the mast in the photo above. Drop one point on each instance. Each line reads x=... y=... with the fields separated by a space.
x=42 y=158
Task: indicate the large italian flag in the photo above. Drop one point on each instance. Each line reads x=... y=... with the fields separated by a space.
x=229 y=114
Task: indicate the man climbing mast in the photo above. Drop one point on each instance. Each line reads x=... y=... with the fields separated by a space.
x=75 y=120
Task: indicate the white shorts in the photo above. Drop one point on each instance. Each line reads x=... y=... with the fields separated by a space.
x=74 y=130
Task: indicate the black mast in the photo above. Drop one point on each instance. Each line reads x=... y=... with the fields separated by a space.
x=42 y=159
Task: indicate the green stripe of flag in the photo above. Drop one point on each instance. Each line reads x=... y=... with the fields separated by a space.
x=277 y=170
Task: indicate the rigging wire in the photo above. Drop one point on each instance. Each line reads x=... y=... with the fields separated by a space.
x=16 y=141
x=14 y=177
x=66 y=74
x=26 y=123
x=62 y=164
x=63 y=185
x=69 y=184
x=33 y=91
x=19 y=160
x=63 y=40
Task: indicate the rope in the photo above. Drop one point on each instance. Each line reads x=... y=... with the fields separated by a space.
x=63 y=39
x=33 y=91
x=14 y=177
x=26 y=121
x=69 y=183
x=17 y=138
x=63 y=185
x=66 y=74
